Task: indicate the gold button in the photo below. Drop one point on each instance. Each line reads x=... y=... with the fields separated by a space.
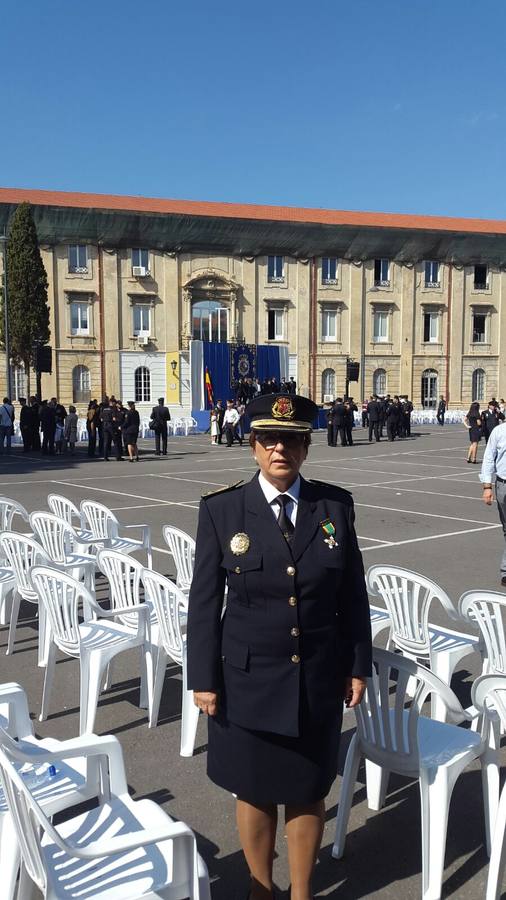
x=295 y=632
x=238 y=570
x=290 y=570
x=292 y=601
x=295 y=658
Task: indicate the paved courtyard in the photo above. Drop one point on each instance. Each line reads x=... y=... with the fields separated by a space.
x=417 y=505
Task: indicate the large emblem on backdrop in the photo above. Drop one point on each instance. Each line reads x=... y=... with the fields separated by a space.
x=243 y=362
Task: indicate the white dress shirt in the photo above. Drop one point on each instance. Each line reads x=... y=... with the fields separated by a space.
x=494 y=460
x=271 y=492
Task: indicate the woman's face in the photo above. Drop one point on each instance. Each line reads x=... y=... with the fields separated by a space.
x=279 y=455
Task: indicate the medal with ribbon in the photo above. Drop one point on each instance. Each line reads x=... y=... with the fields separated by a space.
x=329 y=529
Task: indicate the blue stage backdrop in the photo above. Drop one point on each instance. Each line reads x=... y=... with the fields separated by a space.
x=226 y=363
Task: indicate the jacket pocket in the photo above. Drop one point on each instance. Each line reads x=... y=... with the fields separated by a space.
x=235 y=654
x=244 y=577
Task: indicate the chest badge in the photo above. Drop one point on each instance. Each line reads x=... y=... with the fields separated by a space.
x=239 y=543
x=329 y=530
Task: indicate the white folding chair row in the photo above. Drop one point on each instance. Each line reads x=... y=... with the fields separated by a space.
x=182 y=548
x=69 y=783
x=121 y=849
x=401 y=740
x=107 y=531
x=408 y=597
x=9 y=509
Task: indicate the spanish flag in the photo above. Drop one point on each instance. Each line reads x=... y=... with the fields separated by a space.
x=209 y=388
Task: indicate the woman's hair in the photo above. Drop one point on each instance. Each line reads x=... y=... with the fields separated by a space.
x=72 y=409
x=474 y=409
x=306 y=435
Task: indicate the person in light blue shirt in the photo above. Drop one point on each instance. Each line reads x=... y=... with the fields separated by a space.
x=493 y=468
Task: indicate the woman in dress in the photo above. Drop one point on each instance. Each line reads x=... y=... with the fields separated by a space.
x=214 y=426
x=130 y=428
x=295 y=641
x=473 y=421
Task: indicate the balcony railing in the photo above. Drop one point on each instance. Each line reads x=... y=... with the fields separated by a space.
x=432 y=284
x=481 y=285
x=275 y=279
x=78 y=270
x=382 y=282
x=329 y=280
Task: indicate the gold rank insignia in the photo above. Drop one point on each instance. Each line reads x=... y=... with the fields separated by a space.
x=239 y=543
x=283 y=408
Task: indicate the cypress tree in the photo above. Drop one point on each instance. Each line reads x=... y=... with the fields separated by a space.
x=28 y=310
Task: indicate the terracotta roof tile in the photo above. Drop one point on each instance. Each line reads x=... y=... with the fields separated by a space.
x=251 y=211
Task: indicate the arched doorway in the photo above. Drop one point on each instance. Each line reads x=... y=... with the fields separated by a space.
x=429 y=389
x=328 y=385
x=379 y=382
x=478 y=385
x=142 y=385
x=81 y=384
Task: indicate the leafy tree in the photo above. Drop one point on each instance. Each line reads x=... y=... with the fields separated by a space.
x=28 y=310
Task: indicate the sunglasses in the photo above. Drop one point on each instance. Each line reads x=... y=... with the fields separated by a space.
x=270 y=439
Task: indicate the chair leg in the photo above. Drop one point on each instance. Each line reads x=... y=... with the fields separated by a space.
x=44 y=636
x=346 y=796
x=92 y=669
x=498 y=855
x=48 y=682
x=436 y=786
x=27 y=889
x=109 y=669
x=442 y=665
x=144 y=691
x=490 y=780
x=189 y=714
x=9 y=857
x=16 y=603
x=377 y=784
x=5 y=604
x=159 y=665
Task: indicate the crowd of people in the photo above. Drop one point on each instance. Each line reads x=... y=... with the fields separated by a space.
x=378 y=413
x=47 y=427
x=228 y=421
x=481 y=423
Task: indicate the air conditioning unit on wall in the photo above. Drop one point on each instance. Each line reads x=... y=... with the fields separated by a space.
x=139 y=271
x=328 y=398
x=143 y=340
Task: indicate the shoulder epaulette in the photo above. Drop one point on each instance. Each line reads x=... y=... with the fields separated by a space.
x=222 y=490
x=334 y=487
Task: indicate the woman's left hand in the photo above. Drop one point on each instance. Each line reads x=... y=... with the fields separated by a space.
x=354 y=691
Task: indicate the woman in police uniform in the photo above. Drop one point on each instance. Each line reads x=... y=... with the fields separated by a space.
x=294 y=642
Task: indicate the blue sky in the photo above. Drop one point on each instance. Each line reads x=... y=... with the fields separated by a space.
x=392 y=105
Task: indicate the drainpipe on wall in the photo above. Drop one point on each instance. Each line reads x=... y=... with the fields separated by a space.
x=101 y=315
x=313 y=326
x=449 y=332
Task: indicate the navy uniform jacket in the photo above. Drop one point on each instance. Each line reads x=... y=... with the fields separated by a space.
x=297 y=619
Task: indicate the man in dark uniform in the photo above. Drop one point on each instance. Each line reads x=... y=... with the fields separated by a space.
x=349 y=408
x=338 y=422
x=220 y=415
x=35 y=423
x=441 y=409
x=295 y=638
x=393 y=419
x=374 y=413
x=25 y=424
x=160 y=415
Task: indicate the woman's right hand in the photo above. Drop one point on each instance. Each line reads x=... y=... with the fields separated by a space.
x=207 y=701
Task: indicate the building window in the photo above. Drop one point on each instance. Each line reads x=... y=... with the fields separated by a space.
x=379 y=382
x=79 y=317
x=429 y=389
x=140 y=261
x=480 y=278
x=78 y=259
x=382 y=272
x=329 y=270
x=430 y=327
x=432 y=274
x=210 y=321
x=142 y=385
x=142 y=319
x=329 y=324
x=81 y=384
x=478 y=385
x=328 y=385
x=275 y=323
x=479 y=328
x=380 y=327
x=18 y=382
x=275 y=269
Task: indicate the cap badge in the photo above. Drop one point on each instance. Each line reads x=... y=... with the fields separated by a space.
x=283 y=408
x=329 y=529
x=239 y=543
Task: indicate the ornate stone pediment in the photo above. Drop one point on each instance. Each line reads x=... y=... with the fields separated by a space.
x=210 y=280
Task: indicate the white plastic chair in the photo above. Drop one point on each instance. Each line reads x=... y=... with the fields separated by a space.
x=22 y=553
x=124 y=576
x=167 y=638
x=182 y=548
x=8 y=510
x=178 y=426
x=71 y=783
x=121 y=850
x=61 y=544
x=400 y=740
x=408 y=597
x=484 y=610
x=380 y=619
x=190 y=425
x=105 y=529
x=94 y=642
x=489 y=697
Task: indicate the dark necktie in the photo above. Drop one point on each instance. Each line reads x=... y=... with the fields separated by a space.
x=284 y=521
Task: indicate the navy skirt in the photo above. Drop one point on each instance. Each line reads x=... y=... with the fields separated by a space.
x=263 y=768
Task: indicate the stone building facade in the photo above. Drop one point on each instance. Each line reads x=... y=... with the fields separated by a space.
x=419 y=303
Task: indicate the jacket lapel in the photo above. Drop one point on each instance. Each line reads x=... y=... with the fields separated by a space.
x=307 y=520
